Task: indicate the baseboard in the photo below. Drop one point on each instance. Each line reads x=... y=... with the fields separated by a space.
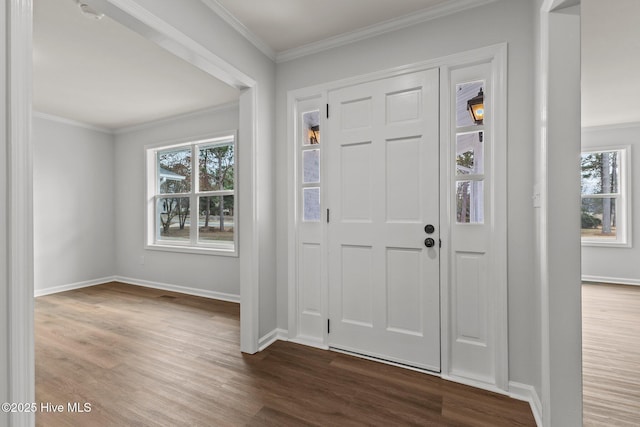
x=72 y=286
x=529 y=394
x=271 y=337
x=473 y=383
x=179 y=289
x=613 y=280
x=310 y=342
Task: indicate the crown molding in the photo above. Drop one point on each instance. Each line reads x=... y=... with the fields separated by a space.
x=75 y=123
x=612 y=126
x=226 y=16
x=210 y=110
x=424 y=15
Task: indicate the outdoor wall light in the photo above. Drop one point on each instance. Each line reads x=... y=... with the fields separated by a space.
x=475 y=106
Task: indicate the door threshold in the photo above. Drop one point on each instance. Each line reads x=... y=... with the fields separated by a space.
x=387 y=362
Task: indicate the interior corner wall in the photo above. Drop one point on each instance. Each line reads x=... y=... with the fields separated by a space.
x=616 y=264
x=73 y=204
x=198 y=271
x=501 y=21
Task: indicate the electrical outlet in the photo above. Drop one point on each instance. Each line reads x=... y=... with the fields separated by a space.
x=537 y=197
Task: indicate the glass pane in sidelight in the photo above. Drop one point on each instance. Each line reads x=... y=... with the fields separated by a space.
x=469 y=202
x=311 y=204
x=599 y=218
x=174 y=170
x=311 y=128
x=310 y=166
x=600 y=172
x=216 y=167
x=173 y=219
x=470 y=153
x=216 y=222
x=470 y=99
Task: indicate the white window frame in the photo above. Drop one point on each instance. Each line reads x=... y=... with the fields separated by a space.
x=622 y=197
x=153 y=194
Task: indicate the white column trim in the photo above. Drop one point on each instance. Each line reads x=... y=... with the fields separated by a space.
x=20 y=200
x=248 y=244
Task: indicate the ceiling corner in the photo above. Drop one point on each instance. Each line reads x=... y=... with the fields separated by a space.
x=226 y=16
x=448 y=8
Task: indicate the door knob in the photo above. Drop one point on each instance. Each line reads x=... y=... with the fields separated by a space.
x=429 y=229
x=429 y=242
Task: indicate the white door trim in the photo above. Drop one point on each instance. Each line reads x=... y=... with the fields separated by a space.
x=496 y=55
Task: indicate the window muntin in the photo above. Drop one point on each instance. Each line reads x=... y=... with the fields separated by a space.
x=192 y=205
x=603 y=216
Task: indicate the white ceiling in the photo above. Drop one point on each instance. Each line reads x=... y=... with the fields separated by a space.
x=288 y=24
x=100 y=73
x=103 y=74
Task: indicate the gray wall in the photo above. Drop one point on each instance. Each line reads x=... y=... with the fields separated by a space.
x=73 y=203
x=89 y=206
x=205 y=272
x=616 y=264
x=508 y=21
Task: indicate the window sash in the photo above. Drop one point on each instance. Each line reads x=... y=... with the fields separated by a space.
x=194 y=244
x=622 y=199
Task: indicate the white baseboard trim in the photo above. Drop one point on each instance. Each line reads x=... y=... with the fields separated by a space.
x=473 y=383
x=310 y=341
x=179 y=289
x=72 y=286
x=529 y=394
x=271 y=337
x=614 y=280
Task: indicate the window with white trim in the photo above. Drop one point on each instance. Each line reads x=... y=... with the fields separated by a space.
x=191 y=203
x=605 y=198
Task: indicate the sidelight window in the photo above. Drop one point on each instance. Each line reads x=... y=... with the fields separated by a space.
x=469 y=152
x=309 y=138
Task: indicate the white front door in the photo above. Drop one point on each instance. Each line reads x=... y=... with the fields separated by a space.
x=382 y=194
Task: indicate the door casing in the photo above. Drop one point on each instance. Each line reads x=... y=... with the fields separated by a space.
x=496 y=56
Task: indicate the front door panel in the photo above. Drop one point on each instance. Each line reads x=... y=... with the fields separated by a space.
x=383 y=183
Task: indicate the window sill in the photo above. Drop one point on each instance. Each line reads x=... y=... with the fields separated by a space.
x=200 y=250
x=598 y=244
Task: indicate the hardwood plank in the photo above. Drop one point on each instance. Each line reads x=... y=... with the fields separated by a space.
x=148 y=357
x=611 y=354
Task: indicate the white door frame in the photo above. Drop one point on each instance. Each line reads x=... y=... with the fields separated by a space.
x=497 y=56
x=20 y=363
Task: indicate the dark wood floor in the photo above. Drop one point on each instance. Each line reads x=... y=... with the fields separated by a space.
x=611 y=354
x=144 y=357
